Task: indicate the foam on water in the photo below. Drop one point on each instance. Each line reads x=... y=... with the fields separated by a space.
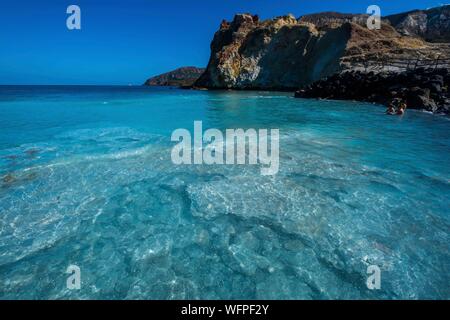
x=105 y=196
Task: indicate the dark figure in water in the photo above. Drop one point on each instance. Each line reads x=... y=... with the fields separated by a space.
x=396 y=107
x=393 y=107
x=402 y=109
x=390 y=110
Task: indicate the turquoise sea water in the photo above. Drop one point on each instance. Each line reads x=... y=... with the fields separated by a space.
x=87 y=180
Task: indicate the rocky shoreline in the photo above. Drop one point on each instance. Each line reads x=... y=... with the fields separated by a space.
x=422 y=89
x=331 y=55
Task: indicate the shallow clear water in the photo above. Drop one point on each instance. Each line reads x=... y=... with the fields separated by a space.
x=86 y=179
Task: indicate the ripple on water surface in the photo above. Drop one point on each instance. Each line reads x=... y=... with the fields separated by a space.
x=110 y=201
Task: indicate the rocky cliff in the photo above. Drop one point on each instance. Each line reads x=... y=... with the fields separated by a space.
x=433 y=25
x=286 y=53
x=181 y=77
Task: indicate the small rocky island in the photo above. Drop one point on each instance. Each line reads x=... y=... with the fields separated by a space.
x=181 y=77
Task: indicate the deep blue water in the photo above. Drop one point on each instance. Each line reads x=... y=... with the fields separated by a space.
x=86 y=179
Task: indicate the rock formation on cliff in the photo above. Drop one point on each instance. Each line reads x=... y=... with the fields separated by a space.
x=286 y=53
x=181 y=77
x=433 y=25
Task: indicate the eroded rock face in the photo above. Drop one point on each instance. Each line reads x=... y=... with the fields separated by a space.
x=413 y=24
x=278 y=54
x=432 y=25
x=285 y=53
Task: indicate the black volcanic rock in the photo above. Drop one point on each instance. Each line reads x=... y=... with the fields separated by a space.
x=424 y=89
x=418 y=98
x=181 y=77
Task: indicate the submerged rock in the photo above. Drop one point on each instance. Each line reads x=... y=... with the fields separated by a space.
x=8 y=180
x=31 y=153
x=157 y=246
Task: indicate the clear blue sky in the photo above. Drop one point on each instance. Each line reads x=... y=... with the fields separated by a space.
x=127 y=41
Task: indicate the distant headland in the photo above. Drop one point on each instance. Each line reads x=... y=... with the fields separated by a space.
x=181 y=77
